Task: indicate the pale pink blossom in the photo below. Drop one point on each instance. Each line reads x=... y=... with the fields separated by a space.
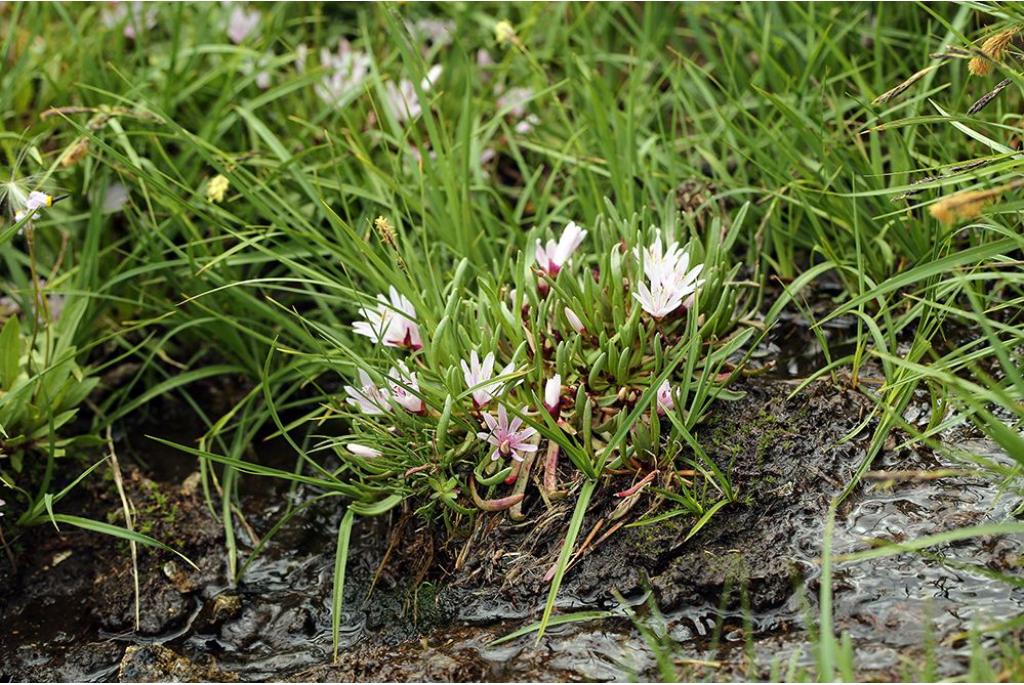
x=391 y=323
x=346 y=70
x=477 y=374
x=241 y=23
x=665 y=400
x=405 y=388
x=553 y=394
x=368 y=398
x=362 y=450
x=401 y=99
x=506 y=436
x=553 y=256
x=574 y=321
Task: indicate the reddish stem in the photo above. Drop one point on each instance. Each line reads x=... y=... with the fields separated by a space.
x=551 y=467
x=639 y=486
x=493 y=504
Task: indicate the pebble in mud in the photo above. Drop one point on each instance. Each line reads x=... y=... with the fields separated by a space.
x=156 y=663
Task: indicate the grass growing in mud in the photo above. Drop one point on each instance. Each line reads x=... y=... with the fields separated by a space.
x=465 y=259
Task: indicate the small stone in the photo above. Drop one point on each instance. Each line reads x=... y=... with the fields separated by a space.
x=181 y=580
x=191 y=484
x=225 y=607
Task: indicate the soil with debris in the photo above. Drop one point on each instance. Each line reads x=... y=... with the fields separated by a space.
x=732 y=598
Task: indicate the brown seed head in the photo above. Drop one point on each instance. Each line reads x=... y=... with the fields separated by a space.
x=968 y=204
x=993 y=49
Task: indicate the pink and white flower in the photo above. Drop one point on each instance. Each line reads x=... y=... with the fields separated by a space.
x=362 y=450
x=553 y=256
x=477 y=374
x=506 y=436
x=402 y=100
x=672 y=283
x=391 y=323
x=241 y=23
x=574 y=321
x=405 y=388
x=665 y=400
x=346 y=69
x=368 y=398
x=553 y=394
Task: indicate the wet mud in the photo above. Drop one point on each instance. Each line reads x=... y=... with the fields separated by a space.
x=734 y=600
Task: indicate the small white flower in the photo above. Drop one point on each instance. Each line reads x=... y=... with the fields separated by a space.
x=241 y=23
x=346 y=70
x=659 y=300
x=553 y=256
x=404 y=388
x=665 y=401
x=574 y=321
x=672 y=282
x=514 y=100
x=527 y=124
x=402 y=100
x=368 y=398
x=261 y=67
x=35 y=200
x=301 y=55
x=476 y=374
x=553 y=394
x=362 y=450
x=391 y=323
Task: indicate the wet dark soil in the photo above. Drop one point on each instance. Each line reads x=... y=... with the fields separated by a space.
x=734 y=599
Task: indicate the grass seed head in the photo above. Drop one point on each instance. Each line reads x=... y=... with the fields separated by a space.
x=386 y=231
x=969 y=204
x=993 y=49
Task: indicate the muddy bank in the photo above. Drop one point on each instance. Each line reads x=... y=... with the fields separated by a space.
x=734 y=597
